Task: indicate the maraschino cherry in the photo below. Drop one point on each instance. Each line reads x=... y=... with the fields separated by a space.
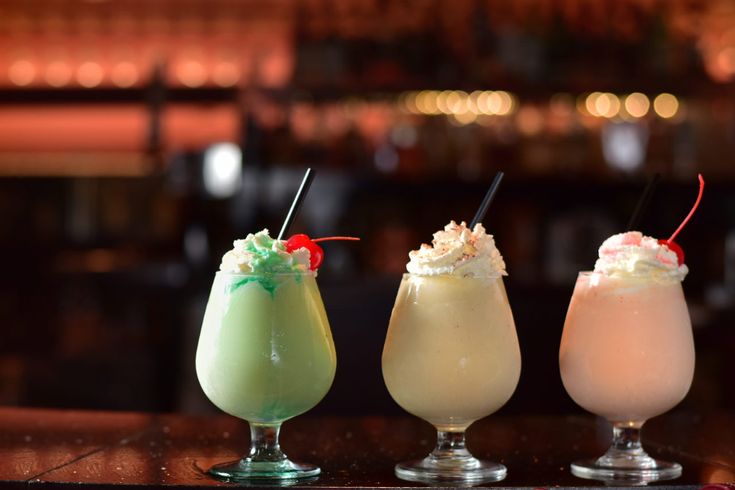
x=673 y=246
x=300 y=240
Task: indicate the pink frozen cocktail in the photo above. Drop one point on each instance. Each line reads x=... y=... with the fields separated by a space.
x=627 y=351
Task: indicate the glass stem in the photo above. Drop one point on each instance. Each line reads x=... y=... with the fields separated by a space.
x=450 y=445
x=627 y=438
x=264 y=444
x=626 y=450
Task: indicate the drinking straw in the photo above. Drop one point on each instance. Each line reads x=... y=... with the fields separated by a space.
x=480 y=215
x=643 y=203
x=297 y=200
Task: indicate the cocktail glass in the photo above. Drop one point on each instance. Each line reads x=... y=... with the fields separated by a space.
x=627 y=354
x=451 y=357
x=265 y=355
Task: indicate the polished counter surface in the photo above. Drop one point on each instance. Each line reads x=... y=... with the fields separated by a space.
x=82 y=449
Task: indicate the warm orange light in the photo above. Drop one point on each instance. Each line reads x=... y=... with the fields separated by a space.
x=124 y=74
x=590 y=103
x=607 y=105
x=226 y=74
x=482 y=102
x=426 y=102
x=494 y=102
x=507 y=103
x=473 y=102
x=89 y=74
x=716 y=475
x=456 y=102
x=191 y=73
x=726 y=60
x=442 y=102
x=58 y=73
x=530 y=121
x=407 y=102
x=22 y=73
x=274 y=68
x=637 y=104
x=666 y=105
x=464 y=118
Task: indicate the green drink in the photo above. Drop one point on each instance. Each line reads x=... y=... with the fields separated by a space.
x=265 y=351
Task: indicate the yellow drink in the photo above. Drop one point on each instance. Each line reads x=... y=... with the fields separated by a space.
x=451 y=354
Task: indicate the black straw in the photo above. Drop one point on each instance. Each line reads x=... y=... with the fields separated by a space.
x=643 y=203
x=296 y=204
x=487 y=200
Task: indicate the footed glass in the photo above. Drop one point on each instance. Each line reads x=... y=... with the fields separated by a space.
x=451 y=357
x=265 y=355
x=627 y=354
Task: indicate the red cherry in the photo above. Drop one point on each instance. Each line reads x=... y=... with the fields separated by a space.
x=316 y=257
x=316 y=253
x=674 y=247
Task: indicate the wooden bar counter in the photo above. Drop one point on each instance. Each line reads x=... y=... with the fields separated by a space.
x=81 y=449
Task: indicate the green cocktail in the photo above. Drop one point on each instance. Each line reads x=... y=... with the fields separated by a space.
x=265 y=352
x=265 y=355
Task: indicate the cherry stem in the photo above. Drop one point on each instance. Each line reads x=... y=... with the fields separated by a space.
x=694 y=208
x=329 y=238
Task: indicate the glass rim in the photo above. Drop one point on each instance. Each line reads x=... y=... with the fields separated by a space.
x=458 y=276
x=266 y=273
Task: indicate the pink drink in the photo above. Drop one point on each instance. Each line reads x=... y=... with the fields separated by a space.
x=627 y=351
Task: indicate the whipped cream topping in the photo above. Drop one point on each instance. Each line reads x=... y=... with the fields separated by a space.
x=260 y=253
x=633 y=254
x=459 y=251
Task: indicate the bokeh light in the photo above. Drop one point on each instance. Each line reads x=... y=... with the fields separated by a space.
x=124 y=74
x=22 y=72
x=89 y=74
x=637 y=104
x=507 y=103
x=426 y=102
x=530 y=120
x=666 y=105
x=442 y=102
x=590 y=103
x=465 y=118
x=607 y=105
x=58 y=73
x=191 y=73
x=226 y=74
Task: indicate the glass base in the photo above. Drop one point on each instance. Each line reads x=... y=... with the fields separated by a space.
x=629 y=471
x=245 y=469
x=467 y=470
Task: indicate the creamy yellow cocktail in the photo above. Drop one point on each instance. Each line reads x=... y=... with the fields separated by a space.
x=451 y=354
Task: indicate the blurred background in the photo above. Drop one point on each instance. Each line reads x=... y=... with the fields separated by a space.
x=139 y=138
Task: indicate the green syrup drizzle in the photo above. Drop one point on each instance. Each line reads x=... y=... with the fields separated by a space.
x=266 y=281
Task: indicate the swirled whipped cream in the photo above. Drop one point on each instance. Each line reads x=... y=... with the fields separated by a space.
x=259 y=253
x=633 y=254
x=459 y=251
